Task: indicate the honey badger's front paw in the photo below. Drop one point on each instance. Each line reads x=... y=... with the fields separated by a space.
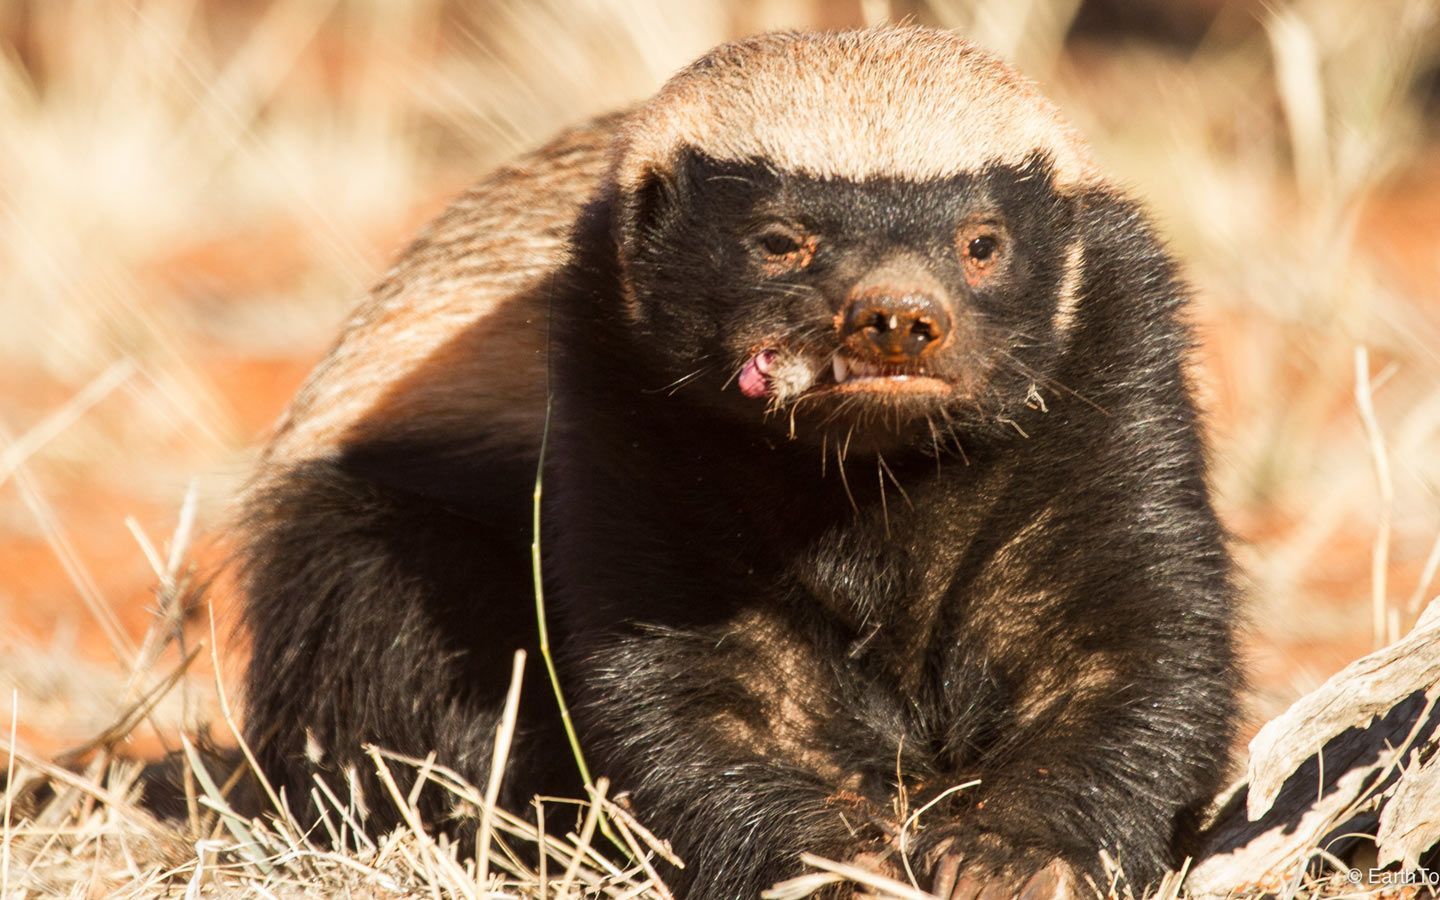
x=956 y=875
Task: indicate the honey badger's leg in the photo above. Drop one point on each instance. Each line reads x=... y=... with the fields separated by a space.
x=1113 y=742
x=382 y=615
x=741 y=754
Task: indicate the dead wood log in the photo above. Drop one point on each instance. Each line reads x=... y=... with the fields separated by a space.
x=1351 y=769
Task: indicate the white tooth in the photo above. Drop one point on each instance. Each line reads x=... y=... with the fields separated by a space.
x=841 y=370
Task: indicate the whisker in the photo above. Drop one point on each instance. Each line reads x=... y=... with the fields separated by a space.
x=1048 y=381
x=884 y=506
x=731 y=380
x=934 y=440
x=790 y=290
x=844 y=480
x=898 y=486
x=955 y=438
x=680 y=382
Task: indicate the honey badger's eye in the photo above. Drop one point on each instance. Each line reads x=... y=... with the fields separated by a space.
x=778 y=243
x=982 y=247
x=783 y=249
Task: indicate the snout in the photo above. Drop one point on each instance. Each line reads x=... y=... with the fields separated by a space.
x=894 y=326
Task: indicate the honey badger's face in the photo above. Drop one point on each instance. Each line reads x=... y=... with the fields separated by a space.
x=879 y=309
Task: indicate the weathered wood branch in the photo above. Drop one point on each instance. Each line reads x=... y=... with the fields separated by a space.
x=1353 y=763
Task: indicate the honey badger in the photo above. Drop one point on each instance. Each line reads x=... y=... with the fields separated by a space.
x=874 y=485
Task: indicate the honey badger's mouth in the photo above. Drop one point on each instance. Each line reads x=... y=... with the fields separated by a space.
x=781 y=377
x=850 y=376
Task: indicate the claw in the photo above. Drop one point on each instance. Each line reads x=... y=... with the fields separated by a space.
x=1054 y=882
x=945 y=875
x=978 y=887
x=879 y=862
x=951 y=882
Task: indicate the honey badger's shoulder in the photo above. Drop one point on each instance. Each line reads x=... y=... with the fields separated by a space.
x=450 y=344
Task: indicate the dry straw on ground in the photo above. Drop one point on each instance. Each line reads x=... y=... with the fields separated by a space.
x=193 y=193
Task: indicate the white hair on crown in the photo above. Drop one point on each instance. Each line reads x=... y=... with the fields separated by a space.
x=905 y=102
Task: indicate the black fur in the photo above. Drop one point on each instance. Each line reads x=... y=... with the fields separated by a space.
x=769 y=635
x=386 y=594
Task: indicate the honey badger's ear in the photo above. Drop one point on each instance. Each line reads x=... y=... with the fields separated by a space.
x=653 y=197
x=646 y=203
x=661 y=191
x=644 y=197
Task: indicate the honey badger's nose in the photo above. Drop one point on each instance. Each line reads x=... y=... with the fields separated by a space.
x=894 y=326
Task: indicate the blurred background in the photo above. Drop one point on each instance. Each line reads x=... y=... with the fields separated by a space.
x=193 y=194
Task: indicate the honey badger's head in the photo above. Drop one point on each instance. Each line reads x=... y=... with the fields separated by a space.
x=868 y=233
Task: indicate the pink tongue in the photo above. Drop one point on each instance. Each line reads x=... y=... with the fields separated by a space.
x=752 y=377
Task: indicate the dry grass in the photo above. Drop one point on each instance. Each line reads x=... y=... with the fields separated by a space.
x=192 y=194
x=86 y=833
